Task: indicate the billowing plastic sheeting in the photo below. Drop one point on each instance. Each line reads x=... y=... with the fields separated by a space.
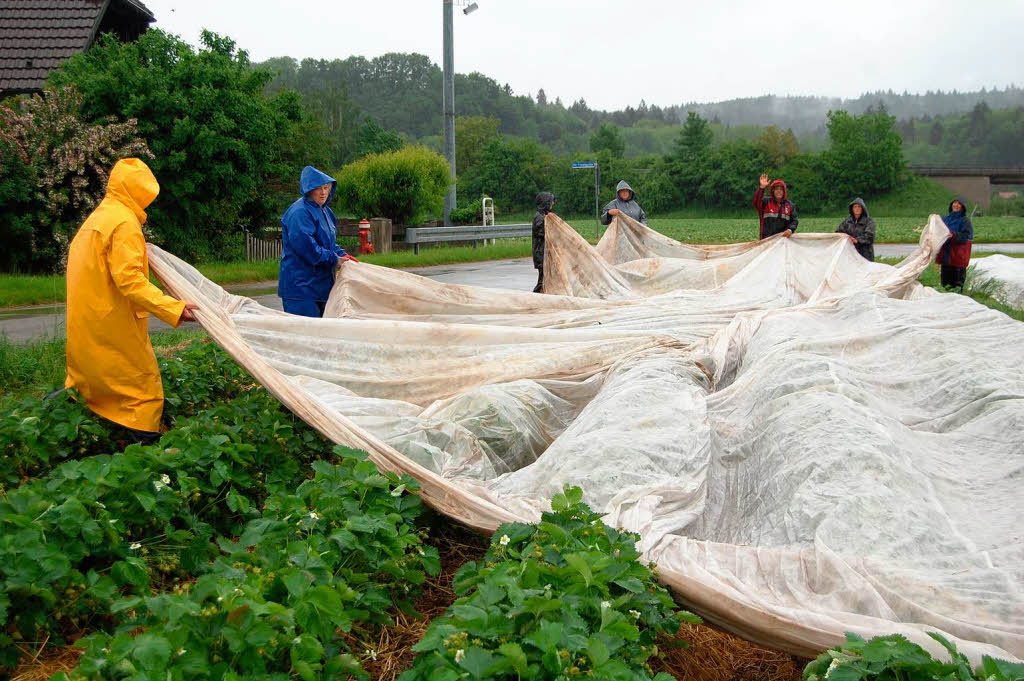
x=1002 y=277
x=808 y=443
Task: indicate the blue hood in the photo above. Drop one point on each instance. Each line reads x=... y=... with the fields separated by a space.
x=312 y=178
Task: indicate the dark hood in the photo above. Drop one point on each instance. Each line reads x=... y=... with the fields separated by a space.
x=963 y=202
x=545 y=200
x=777 y=183
x=860 y=202
x=625 y=185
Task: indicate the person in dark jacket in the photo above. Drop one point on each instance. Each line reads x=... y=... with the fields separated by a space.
x=309 y=250
x=624 y=202
x=776 y=212
x=955 y=255
x=860 y=228
x=545 y=202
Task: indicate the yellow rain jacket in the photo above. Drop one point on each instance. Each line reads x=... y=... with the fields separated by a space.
x=110 y=360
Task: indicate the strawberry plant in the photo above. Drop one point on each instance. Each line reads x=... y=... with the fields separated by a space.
x=37 y=433
x=104 y=526
x=565 y=598
x=337 y=554
x=40 y=433
x=199 y=376
x=894 y=658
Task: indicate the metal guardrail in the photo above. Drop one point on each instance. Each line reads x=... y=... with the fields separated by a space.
x=966 y=170
x=474 y=233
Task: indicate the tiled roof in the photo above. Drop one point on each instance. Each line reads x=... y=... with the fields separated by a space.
x=37 y=35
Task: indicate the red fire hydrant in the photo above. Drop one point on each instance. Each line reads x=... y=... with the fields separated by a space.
x=365 y=238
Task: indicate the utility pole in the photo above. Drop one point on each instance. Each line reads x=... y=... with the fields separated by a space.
x=449 y=110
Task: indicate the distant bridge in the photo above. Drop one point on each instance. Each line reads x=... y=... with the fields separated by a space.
x=974 y=182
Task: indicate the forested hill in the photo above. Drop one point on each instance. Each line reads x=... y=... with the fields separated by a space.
x=403 y=92
x=807 y=114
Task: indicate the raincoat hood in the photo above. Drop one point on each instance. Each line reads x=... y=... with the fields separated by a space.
x=312 y=178
x=132 y=183
x=778 y=183
x=625 y=185
x=863 y=206
x=963 y=203
x=545 y=200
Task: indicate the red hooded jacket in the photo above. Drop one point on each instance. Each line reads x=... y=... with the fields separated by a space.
x=775 y=216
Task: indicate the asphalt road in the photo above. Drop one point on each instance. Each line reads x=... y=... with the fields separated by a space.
x=47 y=321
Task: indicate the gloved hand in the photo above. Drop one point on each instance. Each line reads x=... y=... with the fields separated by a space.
x=346 y=257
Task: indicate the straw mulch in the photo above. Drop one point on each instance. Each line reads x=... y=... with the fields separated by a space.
x=44 y=663
x=716 y=655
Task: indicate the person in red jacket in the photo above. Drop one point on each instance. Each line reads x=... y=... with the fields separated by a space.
x=955 y=255
x=775 y=211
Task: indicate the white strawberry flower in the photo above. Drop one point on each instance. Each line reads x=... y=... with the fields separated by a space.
x=504 y=540
x=459 y=654
x=166 y=479
x=605 y=605
x=635 y=614
x=135 y=546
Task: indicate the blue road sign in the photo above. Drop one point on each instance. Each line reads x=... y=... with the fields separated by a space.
x=583 y=164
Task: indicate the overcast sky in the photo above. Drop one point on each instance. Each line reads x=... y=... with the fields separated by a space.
x=665 y=51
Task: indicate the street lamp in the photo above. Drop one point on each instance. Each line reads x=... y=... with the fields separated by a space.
x=448 y=99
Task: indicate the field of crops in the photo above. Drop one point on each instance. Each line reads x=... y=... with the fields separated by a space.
x=245 y=546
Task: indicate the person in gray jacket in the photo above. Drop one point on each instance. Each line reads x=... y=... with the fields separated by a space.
x=860 y=228
x=624 y=202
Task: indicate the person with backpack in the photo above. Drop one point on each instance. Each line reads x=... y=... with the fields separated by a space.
x=860 y=228
x=545 y=202
x=776 y=213
x=955 y=255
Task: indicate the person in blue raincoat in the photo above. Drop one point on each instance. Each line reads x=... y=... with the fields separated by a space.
x=310 y=254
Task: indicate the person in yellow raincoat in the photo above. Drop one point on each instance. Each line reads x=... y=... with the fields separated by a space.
x=110 y=361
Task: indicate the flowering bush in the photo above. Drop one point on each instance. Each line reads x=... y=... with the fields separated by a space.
x=218 y=142
x=64 y=163
x=564 y=598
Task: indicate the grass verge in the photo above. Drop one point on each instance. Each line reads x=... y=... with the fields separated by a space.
x=38 y=368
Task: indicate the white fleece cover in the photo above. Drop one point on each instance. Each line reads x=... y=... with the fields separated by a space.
x=808 y=443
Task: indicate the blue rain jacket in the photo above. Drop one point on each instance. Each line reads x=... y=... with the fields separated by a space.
x=309 y=249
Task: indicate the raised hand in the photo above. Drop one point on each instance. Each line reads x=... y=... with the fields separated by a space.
x=764 y=180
